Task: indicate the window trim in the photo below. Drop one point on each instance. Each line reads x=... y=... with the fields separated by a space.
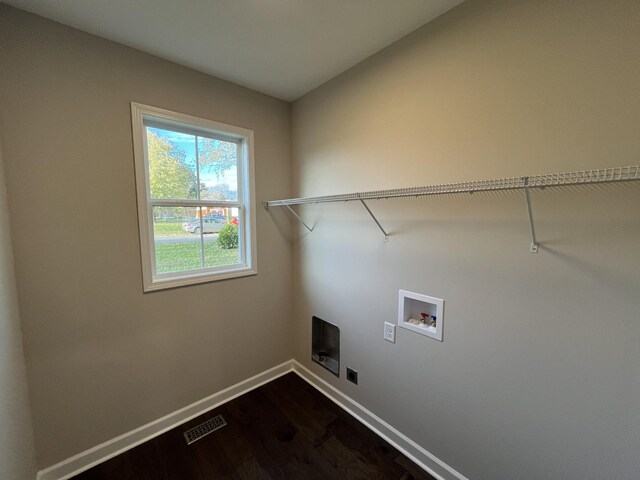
x=245 y=205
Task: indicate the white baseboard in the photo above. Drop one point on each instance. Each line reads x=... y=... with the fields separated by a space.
x=408 y=447
x=109 y=449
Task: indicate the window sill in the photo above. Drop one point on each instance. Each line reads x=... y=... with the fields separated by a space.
x=195 y=279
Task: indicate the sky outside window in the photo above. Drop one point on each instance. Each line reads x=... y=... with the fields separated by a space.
x=218 y=166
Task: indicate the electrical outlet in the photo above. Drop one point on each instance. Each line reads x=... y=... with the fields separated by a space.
x=389 y=332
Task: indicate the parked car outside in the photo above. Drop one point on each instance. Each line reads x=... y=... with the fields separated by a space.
x=217 y=217
x=210 y=224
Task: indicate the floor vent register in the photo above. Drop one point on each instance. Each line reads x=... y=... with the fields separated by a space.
x=204 y=429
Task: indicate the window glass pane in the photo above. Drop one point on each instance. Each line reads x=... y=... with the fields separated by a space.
x=177 y=239
x=189 y=238
x=218 y=163
x=172 y=164
x=221 y=248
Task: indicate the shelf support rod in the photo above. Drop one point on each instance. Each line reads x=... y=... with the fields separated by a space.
x=386 y=235
x=298 y=217
x=534 y=243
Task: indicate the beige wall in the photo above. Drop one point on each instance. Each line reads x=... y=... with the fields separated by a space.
x=104 y=358
x=537 y=376
x=17 y=453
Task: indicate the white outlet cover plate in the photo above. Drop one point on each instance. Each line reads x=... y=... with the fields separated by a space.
x=389 y=332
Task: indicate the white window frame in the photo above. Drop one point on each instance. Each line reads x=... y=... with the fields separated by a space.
x=245 y=202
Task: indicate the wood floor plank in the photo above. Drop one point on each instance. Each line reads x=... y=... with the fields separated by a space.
x=278 y=444
x=413 y=471
x=312 y=425
x=251 y=470
x=284 y=430
x=312 y=401
x=347 y=462
x=365 y=444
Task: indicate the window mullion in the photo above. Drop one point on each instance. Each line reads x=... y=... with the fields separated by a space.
x=201 y=239
x=198 y=195
x=197 y=170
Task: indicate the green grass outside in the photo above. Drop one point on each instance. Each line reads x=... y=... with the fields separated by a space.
x=168 y=229
x=175 y=257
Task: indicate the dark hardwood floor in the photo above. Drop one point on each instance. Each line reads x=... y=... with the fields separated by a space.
x=283 y=430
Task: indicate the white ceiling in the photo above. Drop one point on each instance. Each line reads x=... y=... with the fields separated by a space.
x=284 y=48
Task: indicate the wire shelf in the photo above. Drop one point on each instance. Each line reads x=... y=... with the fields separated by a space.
x=583 y=177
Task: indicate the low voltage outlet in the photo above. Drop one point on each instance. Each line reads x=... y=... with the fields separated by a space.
x=352 y=375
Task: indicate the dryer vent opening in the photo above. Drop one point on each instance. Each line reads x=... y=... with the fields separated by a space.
x=325 y=345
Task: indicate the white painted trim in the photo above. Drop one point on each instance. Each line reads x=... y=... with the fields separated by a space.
x=408 y=447
x=109 y=449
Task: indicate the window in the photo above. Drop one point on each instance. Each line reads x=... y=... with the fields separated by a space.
x=194 y=180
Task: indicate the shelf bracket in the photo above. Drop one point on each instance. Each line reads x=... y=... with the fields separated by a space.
x=298 y=217
x=386 y=235
x=534 y=243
